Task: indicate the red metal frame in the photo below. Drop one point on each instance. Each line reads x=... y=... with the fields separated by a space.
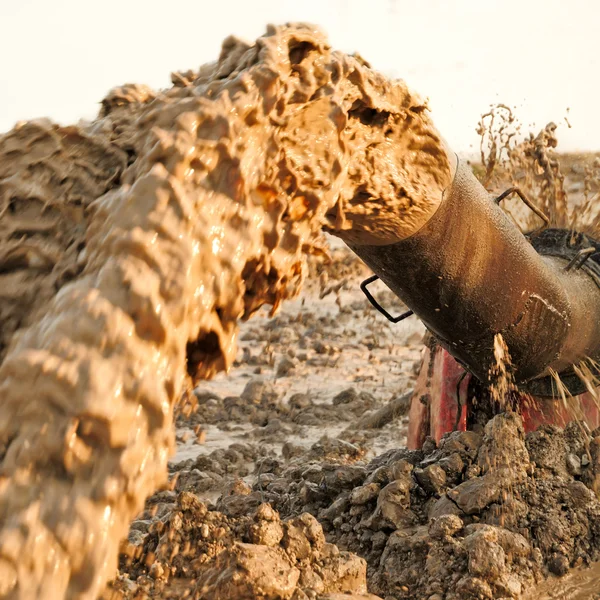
x=435 y=403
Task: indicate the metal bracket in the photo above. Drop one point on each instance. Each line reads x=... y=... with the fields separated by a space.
x=527 y=203
x=364 y=287
x=579 y=259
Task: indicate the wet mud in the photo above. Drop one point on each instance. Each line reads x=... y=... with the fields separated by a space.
x=48 y=177
x=488 y=514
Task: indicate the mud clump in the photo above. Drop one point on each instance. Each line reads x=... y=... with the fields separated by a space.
x=216 y=557
x=260 y=404
x=481 y=516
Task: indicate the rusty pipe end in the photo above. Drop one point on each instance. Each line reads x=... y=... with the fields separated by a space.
x=399 y=203
x=469 y=273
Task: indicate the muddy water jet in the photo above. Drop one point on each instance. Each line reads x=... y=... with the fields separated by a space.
x=200 y=206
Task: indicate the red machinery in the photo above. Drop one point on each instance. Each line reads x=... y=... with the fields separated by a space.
x=440 y=402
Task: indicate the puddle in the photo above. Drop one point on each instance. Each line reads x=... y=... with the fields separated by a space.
x=579 y=584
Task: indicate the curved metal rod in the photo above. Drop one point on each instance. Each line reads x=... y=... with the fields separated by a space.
x=371 y=299
x=579 y=259
x=527 y=203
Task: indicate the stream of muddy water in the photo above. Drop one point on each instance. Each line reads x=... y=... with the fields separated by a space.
x=194 y=207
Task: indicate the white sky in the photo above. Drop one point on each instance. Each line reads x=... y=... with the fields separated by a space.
x=59 y=57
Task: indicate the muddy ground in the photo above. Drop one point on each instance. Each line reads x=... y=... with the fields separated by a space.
x=292 y=480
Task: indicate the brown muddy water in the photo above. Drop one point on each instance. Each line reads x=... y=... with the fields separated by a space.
x=579 y=584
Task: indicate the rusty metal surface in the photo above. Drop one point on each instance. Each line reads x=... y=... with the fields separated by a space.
x=469 y=274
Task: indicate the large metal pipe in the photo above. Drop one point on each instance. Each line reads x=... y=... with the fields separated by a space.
x=469 y=273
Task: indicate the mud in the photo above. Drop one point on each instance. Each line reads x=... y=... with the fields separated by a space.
x=230 y=176
x=564 y=187
x=484 y=515
x=487 y=514
x=215 y=556
x=48 y=177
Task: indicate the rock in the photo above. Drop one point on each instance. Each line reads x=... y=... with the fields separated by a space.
x=298 y=402
x=400 y=468
x=321 y=348
x=338 y=507
x=429 y=445
x=444 y=506
x=474 y=495
x=432 y=478
x=453 y=466
x=265 y=512
x=237 y=487
x=275 y=427
x=189 y=501
x=472 y=471
x=303 y=537
x=329 y=551
x=312 y=529
x=345 y=573
x=515 y=546
x=573 y=464
x=249 y=572
x=267 y=529
x=394 y=501
x=346 y=397
x=237 y=505
x=285 y=366
x=473 y=588
x=344 y=478
x=487 y=558
x=558 y=564
x=327 y=447
x=257 y=391
x=445 y=526
x=136 y=537
x=364 y=494
x=289 y=450
x=310 y=582
x=509 y=586
x=581 y=495
x=312 y=492
x=157 y=570
x=381 y=475
x=140 y=525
